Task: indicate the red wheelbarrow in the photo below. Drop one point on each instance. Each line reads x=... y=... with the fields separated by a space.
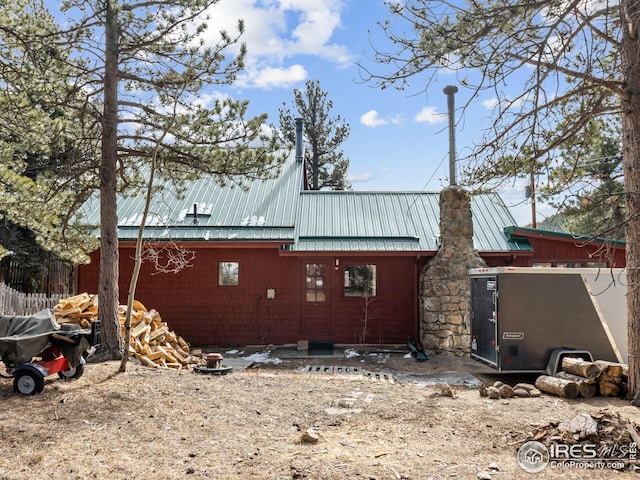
x=33 y=347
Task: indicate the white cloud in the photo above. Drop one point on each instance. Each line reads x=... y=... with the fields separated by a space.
x=277 y=30
x=271 y=77
x=372 y=120
x=430 y=116
x=490 y=103
x=360 y=177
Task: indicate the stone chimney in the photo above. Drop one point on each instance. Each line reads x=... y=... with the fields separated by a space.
x=445 y=288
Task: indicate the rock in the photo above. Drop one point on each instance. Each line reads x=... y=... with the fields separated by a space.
x=506 y=392
x=521 y=392
x=483 y=390
x=525 y=386
x=310 y=436
x=497 y=384
x=447 y=391
x=484 y=475
x=493 y=392
x=494 y=467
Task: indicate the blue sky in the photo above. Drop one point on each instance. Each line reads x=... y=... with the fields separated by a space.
x=399 y=139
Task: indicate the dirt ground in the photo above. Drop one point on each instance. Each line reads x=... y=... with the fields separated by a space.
x=262 y=422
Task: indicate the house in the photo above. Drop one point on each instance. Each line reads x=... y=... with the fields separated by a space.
x=273 y=263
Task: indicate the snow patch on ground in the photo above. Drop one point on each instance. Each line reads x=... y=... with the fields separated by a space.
x=264 y=357
x=348 y=353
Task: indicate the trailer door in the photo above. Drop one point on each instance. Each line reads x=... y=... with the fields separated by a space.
x=484 y=307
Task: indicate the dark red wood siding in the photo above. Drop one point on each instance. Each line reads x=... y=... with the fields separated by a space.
x=204 y=313
x=392 y=313
x=552 y=251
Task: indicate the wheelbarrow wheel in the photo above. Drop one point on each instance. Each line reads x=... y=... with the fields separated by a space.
x=28 y=383
x=72 y=372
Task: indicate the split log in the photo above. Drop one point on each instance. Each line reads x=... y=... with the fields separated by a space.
x=587 y=387
x=151 y=340
x=609 y=388
x=148 y=363
x=557 y=386
x=139 y=329
x=610 y=369
x=580 y=367
x=158 y=333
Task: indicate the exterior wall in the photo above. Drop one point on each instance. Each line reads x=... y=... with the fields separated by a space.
x=391 y=314
x=204 y=313
x=558 y=253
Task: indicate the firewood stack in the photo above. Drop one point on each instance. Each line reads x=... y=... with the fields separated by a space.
x=586 y=379
x=152 y=343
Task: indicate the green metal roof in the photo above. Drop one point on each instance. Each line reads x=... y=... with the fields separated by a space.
x=516 y=233
x=263 y=210
x=393 y=221
x=278 y=210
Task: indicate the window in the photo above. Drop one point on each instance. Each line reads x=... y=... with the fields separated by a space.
x=360 y=281
x=227 y=273
x=316 y=273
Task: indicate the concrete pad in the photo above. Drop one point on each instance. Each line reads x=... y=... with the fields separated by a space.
x=238 y=364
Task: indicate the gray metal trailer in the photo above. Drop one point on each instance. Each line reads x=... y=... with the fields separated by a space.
x=525 y=319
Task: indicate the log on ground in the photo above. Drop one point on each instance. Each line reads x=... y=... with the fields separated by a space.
x=557 y=386
x=580 y=367
x=587 y=387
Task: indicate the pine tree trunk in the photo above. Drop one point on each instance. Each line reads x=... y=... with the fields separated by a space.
x=111 y=347
x=630 y=105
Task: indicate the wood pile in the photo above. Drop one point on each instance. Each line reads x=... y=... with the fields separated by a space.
x=609 y=433
x=586 y=379
x=152 y=342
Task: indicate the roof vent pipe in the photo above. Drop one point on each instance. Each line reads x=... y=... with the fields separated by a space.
x=450 y=91
x=195 y=213
x=299 y=149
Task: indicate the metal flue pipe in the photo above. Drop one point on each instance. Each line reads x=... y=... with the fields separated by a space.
x=299 y=139
x=450 y=91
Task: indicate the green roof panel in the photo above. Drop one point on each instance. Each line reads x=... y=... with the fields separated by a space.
x=259 y=210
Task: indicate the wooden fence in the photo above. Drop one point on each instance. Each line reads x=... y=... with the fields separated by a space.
x=57 y=279
x=13 y=302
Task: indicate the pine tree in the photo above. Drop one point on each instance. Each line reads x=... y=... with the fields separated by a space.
x=132 y=60
x=43 y=156
x=326 y=165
